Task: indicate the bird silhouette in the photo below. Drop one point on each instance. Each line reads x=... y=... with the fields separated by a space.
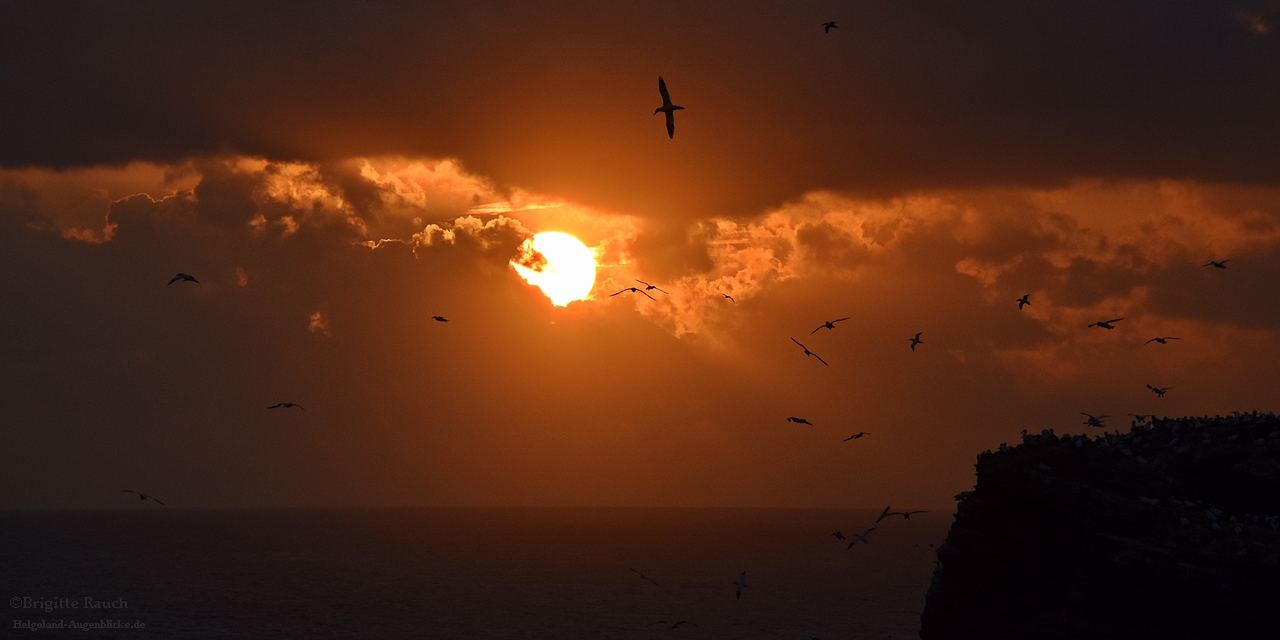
x=1024 y=301
x=883 y=514
x=667 y=108
x=838 y=536
x=1106 y=324
x=916 y=340
x=185 y=277
x=644 y=577
x=740 y=583
x=906 y=515
x=807 y=352
x=828 y=26
x=1159 y=391
x=633 y=290
x=673 y=625
x=830 y=324
x=142 y=496
x=1093 y=421
x=651 y=287
x=799 y=421
x=287 y=405
x=729 y=297
x=1162 y=340
x=856 y=436
x=1221 y=264
x=860 y=537
x=439 y=318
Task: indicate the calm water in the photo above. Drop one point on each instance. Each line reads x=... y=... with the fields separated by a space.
x=467 y=573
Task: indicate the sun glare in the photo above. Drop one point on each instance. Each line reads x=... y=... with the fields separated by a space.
x=566 y=270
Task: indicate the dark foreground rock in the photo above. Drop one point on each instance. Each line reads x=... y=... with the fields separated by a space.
x=1171 y=530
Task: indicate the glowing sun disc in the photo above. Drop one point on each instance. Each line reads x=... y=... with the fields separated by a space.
x=570 y=271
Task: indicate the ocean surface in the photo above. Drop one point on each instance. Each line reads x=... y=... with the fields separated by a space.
x=464 y=573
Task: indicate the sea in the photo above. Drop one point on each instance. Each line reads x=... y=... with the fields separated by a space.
x=161 y=572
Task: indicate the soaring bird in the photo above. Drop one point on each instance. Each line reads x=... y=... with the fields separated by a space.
x=651 y=287
x=830 y=324
x=1159 y=391
x=1024 y=301
x=1162 y=340
x=883 y=514
x=740 y=583
x=667 y=108
x=860 y=537
x=799 y=421
x=644 y=577
x=672 y=626
x=185 y=277
x=916 y=340
x=807 y=352
x=856 y=436
x=287 y=405
x=633 y=290
x=142 y=496
x=838 y=536
x=828 y=26
x=1093 y=421
x=1221 y=264
x=1106 y=324
x=729 y=297
x=906 y=515
x=439 y=318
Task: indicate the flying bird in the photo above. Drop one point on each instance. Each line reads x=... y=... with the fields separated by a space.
x=1221 y=264
x=856 y=436
x=807 y=352
x=916 y=340
x=1092 y=420
x=667 y=108
x=1162 y=340
x=1024 y=301
x=860 y=537
x=906 y=515
x=185 y=277
x=142 y=496
x=830 y=324
x=287 y=405
x=644 y=577
x=838 y=536
x=799 y=421
x=883 y=514
x=651 y=287
x=729 y=297
x=1106 y=324
x=1159 y=391
x=828 y=26
x=740 y=583
x=672 y=626
x=439 y=318
x=633 y=290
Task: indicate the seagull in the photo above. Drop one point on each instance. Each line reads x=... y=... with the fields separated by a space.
x=1162 y=340
x=860 y=537
x=1106 y=324
x=916 y=340
x=185 y=277
x=883 y=514
x=144 y=497
x=856 y=436
x=838 y=536
x=287 y=405
x=830 y=324
x=439 y=318
x=828 y=26
x=651 y=287
x=1024 y=301
x=672 y=627
x=740 y=583
x=633 y=290
x=1094 y=421
x=807 y=352
x=644 y=577
x=799 y=421
x=667 y=108
x=1221 y=264
x=729 y=297
x=1159 y=391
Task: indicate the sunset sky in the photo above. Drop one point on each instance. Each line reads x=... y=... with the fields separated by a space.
x=337 y=173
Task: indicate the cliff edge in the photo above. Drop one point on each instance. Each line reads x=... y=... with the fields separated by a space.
x=1171 y=530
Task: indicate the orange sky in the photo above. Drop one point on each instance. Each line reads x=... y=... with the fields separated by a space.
x=916 y=170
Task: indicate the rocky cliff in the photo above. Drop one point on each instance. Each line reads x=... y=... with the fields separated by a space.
x=1171 y=530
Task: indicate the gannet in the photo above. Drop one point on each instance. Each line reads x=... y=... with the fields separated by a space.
x=667 y=108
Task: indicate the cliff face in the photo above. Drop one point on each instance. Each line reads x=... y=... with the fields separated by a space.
x=1171 y=530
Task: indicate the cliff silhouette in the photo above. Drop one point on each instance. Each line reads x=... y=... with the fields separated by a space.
x=1171 y=530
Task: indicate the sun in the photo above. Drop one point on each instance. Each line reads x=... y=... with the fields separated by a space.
x=559 y=264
